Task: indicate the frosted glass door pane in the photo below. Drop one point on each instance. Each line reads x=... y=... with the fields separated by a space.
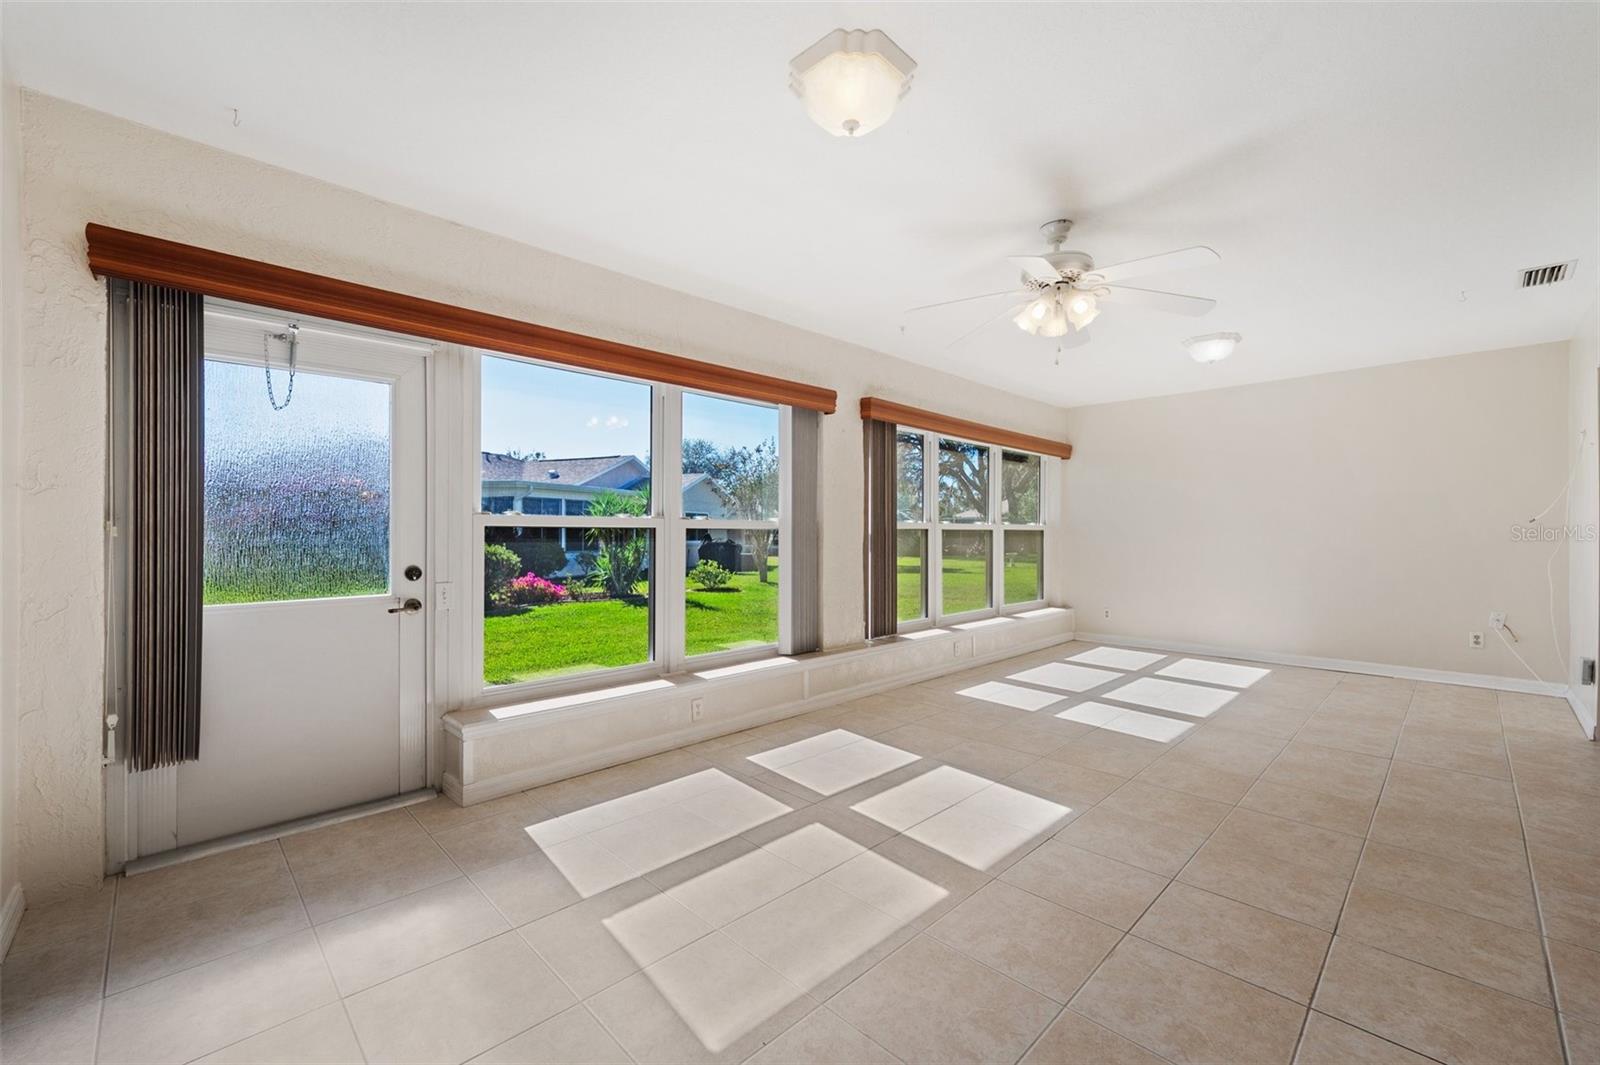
x=297 y=500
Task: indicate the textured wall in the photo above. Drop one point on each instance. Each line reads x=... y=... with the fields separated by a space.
x=10 y=358
x=1582 y=513
x=83 y=166
x=1365 y=515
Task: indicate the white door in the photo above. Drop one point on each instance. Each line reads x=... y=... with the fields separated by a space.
x=313 y=676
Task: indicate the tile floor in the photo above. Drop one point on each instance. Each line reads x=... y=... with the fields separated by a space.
x=1090 y=854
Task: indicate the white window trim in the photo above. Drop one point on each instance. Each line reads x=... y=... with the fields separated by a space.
x=934 y=615
x=669 y=527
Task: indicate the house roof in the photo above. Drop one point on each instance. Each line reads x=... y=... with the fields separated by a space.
x=573 y=471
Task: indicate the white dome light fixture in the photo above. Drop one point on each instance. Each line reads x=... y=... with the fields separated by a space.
x=851 y=80
x=1212 y=347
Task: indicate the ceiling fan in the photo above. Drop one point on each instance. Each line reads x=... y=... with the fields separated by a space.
x=1063 y=291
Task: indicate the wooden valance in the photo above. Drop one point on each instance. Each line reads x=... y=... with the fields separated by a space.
x=136 y=257
x=884 y=410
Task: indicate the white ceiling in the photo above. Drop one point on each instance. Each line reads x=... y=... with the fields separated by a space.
x=1359 y=167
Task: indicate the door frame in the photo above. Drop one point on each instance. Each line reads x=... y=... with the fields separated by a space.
x=141 y=809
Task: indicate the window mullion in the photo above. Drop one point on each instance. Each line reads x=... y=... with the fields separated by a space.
x=997 y=563
x=930 y=510
x=668 y=586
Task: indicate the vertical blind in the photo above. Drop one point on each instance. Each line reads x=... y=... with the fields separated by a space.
x=157 y=347
x=804 y=555
x=880 y=546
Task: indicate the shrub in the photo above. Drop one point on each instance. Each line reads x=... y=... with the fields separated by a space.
x=544 y=557
x=530 y=589
x=710 y=576
x=500 y=567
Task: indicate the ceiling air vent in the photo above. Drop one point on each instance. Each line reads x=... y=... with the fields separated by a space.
x=1547 y=275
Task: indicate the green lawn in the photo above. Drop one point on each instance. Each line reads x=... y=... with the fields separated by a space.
x=278 y=586
x=544 y=641
x=965 y=584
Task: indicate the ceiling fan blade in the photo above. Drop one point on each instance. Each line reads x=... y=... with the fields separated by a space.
x=1009 y=312
x=1171 y=302
x=963 y=299
x=1184 y=259
x=1036 y=267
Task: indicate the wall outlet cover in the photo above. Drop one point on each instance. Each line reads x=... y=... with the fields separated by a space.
x=1475 y=640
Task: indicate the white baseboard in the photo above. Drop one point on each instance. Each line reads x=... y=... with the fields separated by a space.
x=1340 y=665
x=11 y=917
x=1585 y=715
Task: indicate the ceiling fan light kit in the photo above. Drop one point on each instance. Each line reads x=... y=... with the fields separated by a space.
x=851 y=80
x=1212 y=347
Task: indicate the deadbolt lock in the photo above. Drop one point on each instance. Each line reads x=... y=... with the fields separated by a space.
x=413 y=573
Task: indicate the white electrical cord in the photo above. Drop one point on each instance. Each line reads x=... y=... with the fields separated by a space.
x=1549 y=565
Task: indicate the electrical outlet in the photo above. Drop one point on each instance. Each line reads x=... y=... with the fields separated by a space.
x=1107 y=615
x=697 y=709
x=1497 y=619
x=956 y=647
x=1475 y=640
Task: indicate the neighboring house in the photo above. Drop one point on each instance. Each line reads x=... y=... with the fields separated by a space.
x=565 y=487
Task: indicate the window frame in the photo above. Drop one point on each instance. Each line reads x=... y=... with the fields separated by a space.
x=665 y=521
x=933 y=528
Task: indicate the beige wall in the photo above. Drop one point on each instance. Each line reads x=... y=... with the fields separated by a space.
x=1583 y=557
x=1364 y=516
x=10 y=357
x=82 y=166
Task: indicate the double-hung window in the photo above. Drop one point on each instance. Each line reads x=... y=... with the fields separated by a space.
x=969 y=528
x=625 y=527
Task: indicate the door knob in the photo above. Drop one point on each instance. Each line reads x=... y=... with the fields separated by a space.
x=410 y=606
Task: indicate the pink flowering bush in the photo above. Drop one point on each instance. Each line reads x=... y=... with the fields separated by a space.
x=530 y=589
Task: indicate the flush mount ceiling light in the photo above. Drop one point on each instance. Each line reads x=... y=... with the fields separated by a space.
x=1213 y=347
x=851 y=80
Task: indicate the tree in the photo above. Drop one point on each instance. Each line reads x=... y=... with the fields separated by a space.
x=908 y=488
x=747 y=478
x=963 y=480
x=699 y=455
x=622 y=556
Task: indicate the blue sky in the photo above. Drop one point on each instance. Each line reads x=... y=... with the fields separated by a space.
x=240 y=421
x=565 y=414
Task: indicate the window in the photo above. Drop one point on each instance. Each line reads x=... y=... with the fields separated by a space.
x=296 y=500
x=987 y=533
x=731 y=487
x=594 y=559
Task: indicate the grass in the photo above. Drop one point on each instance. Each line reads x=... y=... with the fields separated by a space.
x=273 y=587
x=544 y=641
x=965 y=584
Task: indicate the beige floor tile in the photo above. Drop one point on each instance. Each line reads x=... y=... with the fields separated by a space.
x=321 y=1037
x=819 y=837
x=1333 y=812
x=1492 y=887
x=929 y=1003
x=1291 y=841
x=321 y=844
x=920 y=740
x=1583 y=1041
x=178 y=884
x=1073 y=1039
x=1197 y=778
x=152 y=943
x=822 y=1038
x=1560 y=817
x=986 y=759
x=1577 y=978
x=51 y=977
x=1165 y=806
x=1240 y=750
x=83 y=914
x=1110 y=752
x=1185 y=1011
x=982 y=842
x=1432 y=1012
x=1449 y=790
x=1569 y=895
x=1459 y=836
x=819 y=937
x=570 y=1038
x=599 y=941
x=1447 y=750
x=528 y=888
x=1159 y=848
x=1262 y=948
x=1332 y=1042
x=1498 y=956
x=1035 y=942
x=1257 y=714
x=1368 y=736
x=442 y=813
x=372 y=874
x=710 y=1001
x=1324 y=769
x=907 y=880
x=200 y=1010
x=1247 y=874
x=727 y=881
x=1110 y=891
x=458 y=1006
x=902 y=803
x=64 y=1037
x=1074 y=786
x=479 y=844
x=373 y=945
